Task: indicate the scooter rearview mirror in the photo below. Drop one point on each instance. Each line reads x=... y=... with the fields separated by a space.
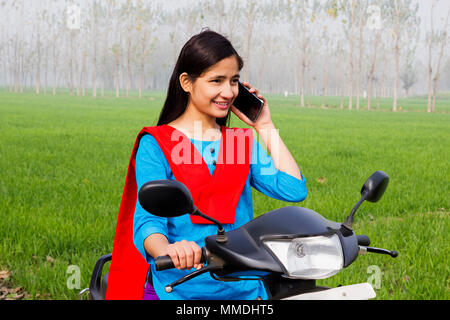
x=166 y=198
x=374 y=187
x=372 y=191
x=171 y=198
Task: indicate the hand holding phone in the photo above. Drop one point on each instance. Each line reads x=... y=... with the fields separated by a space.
x=248 y=103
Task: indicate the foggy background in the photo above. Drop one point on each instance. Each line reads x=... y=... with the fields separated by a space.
x=304 y=47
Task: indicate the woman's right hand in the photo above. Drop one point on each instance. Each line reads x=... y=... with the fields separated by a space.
x=185 y=255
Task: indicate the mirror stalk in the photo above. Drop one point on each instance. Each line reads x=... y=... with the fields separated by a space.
x=221 y=236
x=349 y=221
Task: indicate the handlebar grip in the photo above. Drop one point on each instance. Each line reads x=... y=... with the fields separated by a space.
x=163 y=263
x=363 y=240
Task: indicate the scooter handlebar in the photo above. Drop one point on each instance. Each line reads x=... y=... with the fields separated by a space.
x=165 y=262
x=363 y=240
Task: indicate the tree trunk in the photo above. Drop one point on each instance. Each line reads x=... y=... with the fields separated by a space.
x=342 y=88
x=128 y=66
x=372 y=70
x=309 y=87
x=358 y=84
x=8 y=73
x=103 y=81
x=94 y=80
x=303 y=66
x=103 y=67
x=46 y=70
x=81 y=83
x=117 y=67
x=141 y=77
x=430 y=72
x=430 y=49
x=378 y=95
x=22 y=73
x=94 y=60
x=38 y=62
x=11 y=71
x=54 y=81
x=266 y=44
x=71 y=64
x=16 y=67
x=250 y=23
x=83 y=71
x=438 y=67
x=397 y=53
x=350 y=95
x=324 y=82
x=221 y=14
x=54 y=64
x=394 y=106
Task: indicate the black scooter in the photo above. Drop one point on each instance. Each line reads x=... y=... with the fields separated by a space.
x=287 y=248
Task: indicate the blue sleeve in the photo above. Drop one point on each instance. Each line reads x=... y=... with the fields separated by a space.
x=266 y=178
x=151 y=164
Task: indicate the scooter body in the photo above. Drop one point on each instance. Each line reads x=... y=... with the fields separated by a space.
x=288 y=248
x=253 y=247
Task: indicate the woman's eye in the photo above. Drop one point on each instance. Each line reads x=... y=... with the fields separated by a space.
x=216 y=80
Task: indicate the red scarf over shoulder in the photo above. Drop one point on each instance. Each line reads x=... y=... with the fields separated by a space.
x=216 y=196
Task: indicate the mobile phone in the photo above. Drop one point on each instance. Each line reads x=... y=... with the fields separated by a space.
x=248 y=103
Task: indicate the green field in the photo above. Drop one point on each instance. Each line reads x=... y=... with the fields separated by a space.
x=64 y=159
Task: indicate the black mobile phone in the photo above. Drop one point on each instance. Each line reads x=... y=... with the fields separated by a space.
x=248 y=103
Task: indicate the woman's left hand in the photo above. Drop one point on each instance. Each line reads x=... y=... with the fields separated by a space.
x=264 y=117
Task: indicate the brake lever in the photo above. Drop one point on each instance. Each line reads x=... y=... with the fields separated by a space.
x=196 y=273
x=392 y=253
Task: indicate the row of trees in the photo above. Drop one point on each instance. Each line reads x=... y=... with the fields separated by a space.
x=347 y=48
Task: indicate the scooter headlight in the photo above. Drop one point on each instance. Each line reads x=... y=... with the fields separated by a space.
x=317 y=257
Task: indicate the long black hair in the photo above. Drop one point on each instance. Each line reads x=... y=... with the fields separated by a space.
x=198 y=54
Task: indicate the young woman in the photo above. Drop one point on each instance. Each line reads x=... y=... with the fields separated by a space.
x=193 y=144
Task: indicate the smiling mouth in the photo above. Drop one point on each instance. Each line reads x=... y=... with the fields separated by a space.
x=222 y=104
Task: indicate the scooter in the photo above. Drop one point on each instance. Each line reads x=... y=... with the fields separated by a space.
x=288 y=248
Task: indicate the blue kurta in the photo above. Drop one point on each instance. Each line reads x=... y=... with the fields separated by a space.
x=151 y=164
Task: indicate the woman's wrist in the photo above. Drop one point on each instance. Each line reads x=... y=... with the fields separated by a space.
x=259 y=127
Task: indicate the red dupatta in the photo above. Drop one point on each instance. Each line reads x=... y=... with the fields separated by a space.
x=216 y=195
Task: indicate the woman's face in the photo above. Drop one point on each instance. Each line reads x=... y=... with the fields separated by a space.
x=213 y=93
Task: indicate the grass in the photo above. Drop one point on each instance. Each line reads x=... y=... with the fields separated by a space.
x=63 y=164
x=412 y=104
